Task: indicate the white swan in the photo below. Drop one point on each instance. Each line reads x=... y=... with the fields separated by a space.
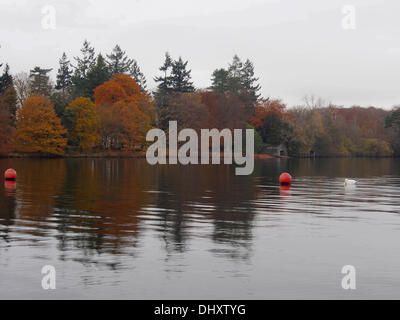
x=349 y=182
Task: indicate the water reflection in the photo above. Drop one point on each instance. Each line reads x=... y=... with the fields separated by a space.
x=113 y=212
x=8 y=208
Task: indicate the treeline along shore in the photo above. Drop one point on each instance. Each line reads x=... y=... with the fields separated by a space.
x=99 y=105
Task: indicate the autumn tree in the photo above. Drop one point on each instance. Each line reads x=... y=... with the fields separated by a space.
x=39 y=130
x=310 y=125
x=126 y=113
x=83 y=124
x=109 y=92
x=188 y=110
x=135 y=124
x=393 y=120
x=275 y=125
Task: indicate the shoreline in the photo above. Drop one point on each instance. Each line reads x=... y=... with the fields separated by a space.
x=141 y=155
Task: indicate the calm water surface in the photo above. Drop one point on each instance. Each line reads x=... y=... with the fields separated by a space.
x=123 y=229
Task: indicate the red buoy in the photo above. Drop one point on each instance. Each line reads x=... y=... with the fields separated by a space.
x=285 y=178
x=10 y=174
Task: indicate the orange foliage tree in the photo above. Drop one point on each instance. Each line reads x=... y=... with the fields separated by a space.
x=126 y=113
x=39 y=130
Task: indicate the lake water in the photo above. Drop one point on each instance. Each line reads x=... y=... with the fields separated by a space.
x=120 y=228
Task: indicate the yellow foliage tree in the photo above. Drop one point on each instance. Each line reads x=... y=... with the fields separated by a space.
x=39 y=130
x=84 y=123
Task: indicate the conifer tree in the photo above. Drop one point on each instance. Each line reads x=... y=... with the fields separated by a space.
x=249 y=81
x=139 y=77
x=180 y=77
x=5 y=79
x=8 y=95
x=83 y=65
x=64 y=75
x=164 y=82
x=118 y=61
x=220 y=81
x=97 y=75
x=238 y=78
x=40 y=81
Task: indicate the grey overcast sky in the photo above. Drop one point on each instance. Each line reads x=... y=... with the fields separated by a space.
x=298 y=47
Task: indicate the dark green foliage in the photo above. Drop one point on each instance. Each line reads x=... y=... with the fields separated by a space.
x=393 y=120
x=139 y=77
x=118 y=61
x=8 y=96
x=239 y=79
x=60 y=100
x=64 y=75
x=180 y=77
x=40 y=82
x=220 y=81
x=275 y=131
x=97 y=75
x=83 y=65
x=164 y=81
x=5 y=79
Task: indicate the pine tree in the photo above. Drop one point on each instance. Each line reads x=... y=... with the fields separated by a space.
x=249 y=81
x=97 y=75
x=118 y=61
x=165 y=83
x=5 y=79
x=64 y=75
x=84 y=63
x=8 y=101
x=40 y=82
x=239 y=78
x=180 y=77
x=139 y=77
x=8 y=95
x=220 y=81
x=235 y=68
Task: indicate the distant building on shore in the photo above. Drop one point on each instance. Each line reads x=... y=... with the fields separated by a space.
x=276 y=151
